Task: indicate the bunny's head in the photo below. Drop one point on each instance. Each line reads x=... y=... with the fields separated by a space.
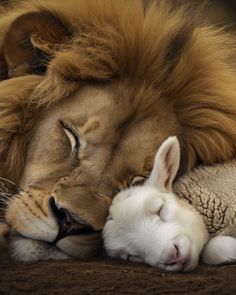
x=149 y=223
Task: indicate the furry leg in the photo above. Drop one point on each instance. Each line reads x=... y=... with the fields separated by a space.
x=220 y=250
x=23 y=249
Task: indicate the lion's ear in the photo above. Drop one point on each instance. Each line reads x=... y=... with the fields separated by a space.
x=31 y=41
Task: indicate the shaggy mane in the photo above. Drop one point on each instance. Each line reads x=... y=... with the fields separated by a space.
x=187 y=63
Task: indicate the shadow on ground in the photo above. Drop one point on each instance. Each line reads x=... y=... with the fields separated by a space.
x=99 y=276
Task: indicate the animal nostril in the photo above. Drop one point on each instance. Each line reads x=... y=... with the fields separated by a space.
x=66 y=223
x=65 y=219
x=62 y=215
x=174 y=257
x=177 y=254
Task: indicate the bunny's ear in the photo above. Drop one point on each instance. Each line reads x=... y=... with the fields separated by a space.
x=166 y=165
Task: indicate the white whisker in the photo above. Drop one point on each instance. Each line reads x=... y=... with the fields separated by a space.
x=7 y=180
x=2 y=193
x=4 y=200
x=5 y=193
x=4 y=197
x=11 y=182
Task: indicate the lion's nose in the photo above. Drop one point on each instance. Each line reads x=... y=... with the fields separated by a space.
x=66 y=223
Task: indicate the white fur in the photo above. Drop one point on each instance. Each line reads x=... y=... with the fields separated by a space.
x=220 y=250
x=150 y=224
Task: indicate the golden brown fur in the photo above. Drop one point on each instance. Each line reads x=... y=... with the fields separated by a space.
x=135 y=75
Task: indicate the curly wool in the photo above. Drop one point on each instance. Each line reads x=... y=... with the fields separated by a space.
x=212 y=190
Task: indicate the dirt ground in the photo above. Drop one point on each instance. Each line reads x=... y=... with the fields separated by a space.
x=104 y=276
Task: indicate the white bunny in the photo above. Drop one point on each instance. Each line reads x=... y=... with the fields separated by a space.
x=149 y=223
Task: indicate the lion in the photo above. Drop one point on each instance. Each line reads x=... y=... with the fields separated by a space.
x=89 y=91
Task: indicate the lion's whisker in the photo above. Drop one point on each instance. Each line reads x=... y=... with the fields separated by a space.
x=3 y=196
x=11 y=182
x=6 y=193
x=4 y=190
x=3 y=186
x=7 y=180
x=4 y=202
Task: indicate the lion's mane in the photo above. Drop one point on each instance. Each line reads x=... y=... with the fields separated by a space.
x=189 y=64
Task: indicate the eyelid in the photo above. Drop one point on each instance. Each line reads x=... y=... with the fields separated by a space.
x=157 y=206
x=69 y=130
x=138 y=180
x=159 y=212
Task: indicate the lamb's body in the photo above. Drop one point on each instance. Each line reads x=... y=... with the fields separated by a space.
x=150 y=223
x=212 y=191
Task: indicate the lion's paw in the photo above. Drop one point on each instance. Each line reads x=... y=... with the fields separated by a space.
x=23 y=249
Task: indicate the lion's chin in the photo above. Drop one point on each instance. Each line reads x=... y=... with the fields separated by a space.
x=79 y=247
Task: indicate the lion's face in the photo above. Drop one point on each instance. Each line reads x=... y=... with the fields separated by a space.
x=82 y=153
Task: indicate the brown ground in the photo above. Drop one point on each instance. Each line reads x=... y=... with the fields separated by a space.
x=103 y=276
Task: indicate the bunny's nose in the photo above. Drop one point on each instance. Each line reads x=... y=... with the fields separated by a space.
x=174 y=256
x=177 y=255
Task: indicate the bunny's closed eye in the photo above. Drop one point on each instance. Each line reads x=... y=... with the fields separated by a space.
x=150 y=224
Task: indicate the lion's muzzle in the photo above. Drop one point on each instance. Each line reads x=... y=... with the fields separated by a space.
x=67 y=224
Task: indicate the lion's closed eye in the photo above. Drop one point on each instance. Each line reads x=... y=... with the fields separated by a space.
x=74 y=140
x=138 y=180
